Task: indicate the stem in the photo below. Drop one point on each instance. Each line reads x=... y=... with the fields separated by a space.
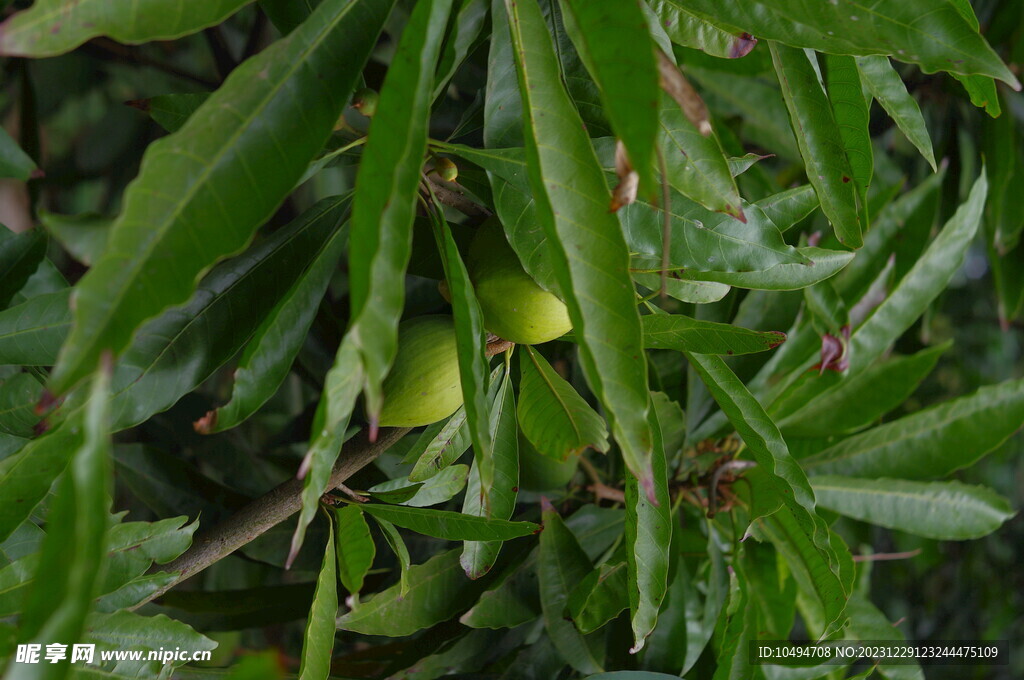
x=269 y=510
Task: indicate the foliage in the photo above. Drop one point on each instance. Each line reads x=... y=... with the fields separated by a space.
x=200 y=295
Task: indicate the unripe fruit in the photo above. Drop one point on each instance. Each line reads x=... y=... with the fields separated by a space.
x=423 y=386
x=365 y=101
x=446 y=169
x=514 y=306
x=538 y=472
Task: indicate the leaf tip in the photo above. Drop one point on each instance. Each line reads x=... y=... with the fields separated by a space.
x=742 y=45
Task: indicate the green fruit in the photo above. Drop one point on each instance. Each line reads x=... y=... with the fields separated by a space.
x=365 y=101
x=537 y=472
x=446 y=169
x=423 y=386
x=514 y=306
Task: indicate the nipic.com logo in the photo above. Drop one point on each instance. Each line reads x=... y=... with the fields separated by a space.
x=86 y=654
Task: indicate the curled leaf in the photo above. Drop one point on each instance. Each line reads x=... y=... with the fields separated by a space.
x=678 y=87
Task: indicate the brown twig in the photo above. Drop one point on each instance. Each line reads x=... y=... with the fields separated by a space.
x=882 y=557
x=450 y=194
x=269 y=510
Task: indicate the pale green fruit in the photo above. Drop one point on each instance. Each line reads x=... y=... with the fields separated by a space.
x=423 y=386
x=538 y=472
x=515 y=307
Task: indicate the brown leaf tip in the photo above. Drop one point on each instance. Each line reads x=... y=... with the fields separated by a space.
x=742 y=45
x=206 y=424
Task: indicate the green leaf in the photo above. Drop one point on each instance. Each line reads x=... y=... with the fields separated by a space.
x=737 y=625
x=867 y=622
x=909 y=218
x=223 y=156
x=704 y=241
x=318 y=637
x=438 y=590
x=846 y=95
x=697 y=292
x=599 y=597
x=74 y=550
x=174 y=353
x=31 y=333
x=447 y=446
x=28 y=475
x=691 y=31
x=397 y=545
x=355 y=548
x=453 y=526
x=386 y=194
x=268 y=356
x=930 y=443
x=478 y=557
x=789 y=207
x=20 y=256
x=821 y=264
x=695 y=164
x=437 y=489
x=631 y=675
x=945 y=42
x=785 y=479
x=13 y=161
x=51 y=27
x=572 y=198
x=84 y=236
x=379 y=250
x=928 y=277
x=757 y=101
x=821 y=142
x=684 y=334
x=470 y=20
x=471 y=341
x=865 y=397
x=561 y=565
x=19 y=395
x=888 y=89
x=982 y=89
x=395 y=491
x=648 y=538
x=613 y=41
x=552 y=415
x=822 y=586
x=126 y=630
x=947 y=511
x=170 y=111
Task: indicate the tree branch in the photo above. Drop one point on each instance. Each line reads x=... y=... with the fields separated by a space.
x=269 y=510
x=450 y=194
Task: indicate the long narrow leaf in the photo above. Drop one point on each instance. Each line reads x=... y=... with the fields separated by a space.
x=232 y=163
x=381 y=242
x=318 y=638
x=53 y=27
x=586 y=242
x=888 y=89
x=820 y=141
x=471 y=340
x=784 y=477
x=453 y=526
x=616 y=47
x=945 y=42
x=648 y=538
x=949 y=511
